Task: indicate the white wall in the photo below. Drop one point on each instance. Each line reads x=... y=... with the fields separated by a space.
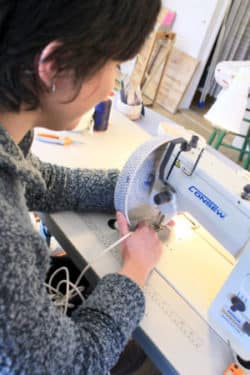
x=197 y=25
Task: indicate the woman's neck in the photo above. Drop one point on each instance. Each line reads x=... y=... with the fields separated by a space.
x=18 y=124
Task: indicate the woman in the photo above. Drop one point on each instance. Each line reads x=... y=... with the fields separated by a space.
x=57 y=60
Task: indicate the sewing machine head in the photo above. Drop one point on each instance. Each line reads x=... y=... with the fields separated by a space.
x=190 y=178
x=168 y=176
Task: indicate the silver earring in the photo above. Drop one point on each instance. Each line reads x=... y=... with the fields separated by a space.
x=53 y=86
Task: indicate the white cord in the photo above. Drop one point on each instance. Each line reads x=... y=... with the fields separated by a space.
x=103 y=253
x=61 y=300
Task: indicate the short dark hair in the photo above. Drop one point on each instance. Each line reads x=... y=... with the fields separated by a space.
x=91 y=33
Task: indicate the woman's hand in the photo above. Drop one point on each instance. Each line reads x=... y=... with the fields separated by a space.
x=140 y=252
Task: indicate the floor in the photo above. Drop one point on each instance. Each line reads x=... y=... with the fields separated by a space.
x=193 y=119
x=147 y=369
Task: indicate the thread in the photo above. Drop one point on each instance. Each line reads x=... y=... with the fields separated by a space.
x=101 y=115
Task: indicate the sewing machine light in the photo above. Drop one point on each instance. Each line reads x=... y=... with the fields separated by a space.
x=181 y=227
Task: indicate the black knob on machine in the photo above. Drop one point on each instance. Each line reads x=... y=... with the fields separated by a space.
x=163 y=197
x=194 y=141
x=237 y=304
x=246 y=193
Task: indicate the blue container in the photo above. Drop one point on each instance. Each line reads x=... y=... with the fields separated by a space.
x=101 y=115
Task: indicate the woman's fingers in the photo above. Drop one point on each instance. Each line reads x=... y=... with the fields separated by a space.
x=122 y=224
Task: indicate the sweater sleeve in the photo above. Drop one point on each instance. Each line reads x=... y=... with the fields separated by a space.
x=71 y=189
x=36 y=338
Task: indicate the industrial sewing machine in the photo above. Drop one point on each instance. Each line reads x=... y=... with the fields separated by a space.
x=167 y=176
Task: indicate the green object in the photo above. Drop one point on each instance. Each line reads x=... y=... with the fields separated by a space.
x=220 y=136
x=217 y=137
x=212 y=137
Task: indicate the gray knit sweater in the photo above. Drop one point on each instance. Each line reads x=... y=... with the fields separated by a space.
x=36 y=338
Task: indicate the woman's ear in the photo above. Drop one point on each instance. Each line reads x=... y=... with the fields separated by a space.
x=47 y=69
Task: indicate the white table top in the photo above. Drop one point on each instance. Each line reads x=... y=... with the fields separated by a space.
x=179 y=334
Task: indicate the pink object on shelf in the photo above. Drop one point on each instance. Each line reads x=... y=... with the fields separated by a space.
x=169 y=19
